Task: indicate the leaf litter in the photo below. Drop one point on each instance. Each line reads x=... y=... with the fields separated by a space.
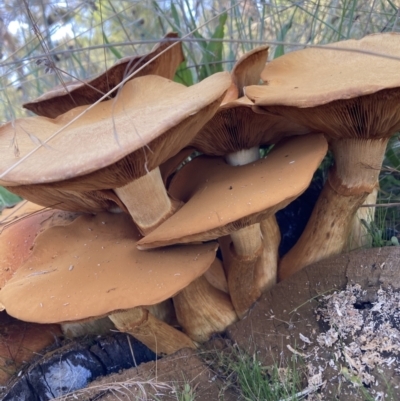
x=362 y=337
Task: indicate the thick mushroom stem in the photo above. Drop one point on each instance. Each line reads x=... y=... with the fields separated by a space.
x=247 y=241
x=92 y=327
x=163 y=311
x=271 y=235
x=242 y=157
x=203 y=310
x=354 y=176
x=160 y=337
x=253 y=262
x=326 y=232
x=216 y=276
x=147 y=201
x=360 y=235
x=252 y=273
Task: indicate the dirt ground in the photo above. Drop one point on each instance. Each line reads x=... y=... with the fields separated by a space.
x=286 y=323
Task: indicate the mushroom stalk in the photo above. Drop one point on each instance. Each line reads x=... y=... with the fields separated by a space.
x=242 y=157
x=252 y=273
x=92 y=327
x=147 y=201
x=253 y=261
x=247 y=240
x=203 y=310
x=360 y=235
x=160 y=337
x=354 y=176
x=271 y=237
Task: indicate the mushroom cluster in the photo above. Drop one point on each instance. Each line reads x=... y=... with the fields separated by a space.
x=132 y=225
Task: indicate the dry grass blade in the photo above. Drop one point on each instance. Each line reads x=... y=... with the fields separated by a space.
x=138 y=389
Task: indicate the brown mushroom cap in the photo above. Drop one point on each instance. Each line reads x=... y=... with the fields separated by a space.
x=235 y=126
x=246 y=71
x=18 y=235
x=151 y=120
x=168 y=168
x=74 y=201
x=342 y=94
x=351 y=93
x=63 y=98
x=248 y=68
x=91 y=268
x=221 y=198
x=316 y=76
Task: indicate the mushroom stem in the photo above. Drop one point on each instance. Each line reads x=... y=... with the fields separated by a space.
x=96 y=327
x=163 y=311
x=354 y=176
x=202 y=310
x=358 y=163
x=216 y=276
x=247 y=240
x=251 y=274
x=360 y=235
x=147 y=201
x=271 y=240
x=242 y=157
x=326 y=232
x=253 y=262
x=160 y=337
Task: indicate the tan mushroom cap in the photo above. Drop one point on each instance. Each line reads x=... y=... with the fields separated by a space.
x=17 y=236
x=221 y=199
x=91 y=268
x=235 y=126
x=82 y=201
x=248 y=68
x=168 y=168
x=76 y=93
x=305 y=78
x=152 y=115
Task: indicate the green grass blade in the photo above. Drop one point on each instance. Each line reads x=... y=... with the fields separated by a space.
x=280 y=50
x=7 y=199
x=213 y=51
x=114 y=51
x=183 y=75
x=175 y=16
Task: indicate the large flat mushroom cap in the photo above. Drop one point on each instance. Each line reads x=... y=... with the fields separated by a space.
x=77 y=93
x=92 y=268
x=18 y=235
x=221 y=198
x=139 y=119
x=316 y=76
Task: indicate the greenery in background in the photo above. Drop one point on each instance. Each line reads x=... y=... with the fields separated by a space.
x=7 y=199
x=56 y=41
x=255 y=382
x=82 y=37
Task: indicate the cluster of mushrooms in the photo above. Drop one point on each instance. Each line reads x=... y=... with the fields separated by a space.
x=131 y=226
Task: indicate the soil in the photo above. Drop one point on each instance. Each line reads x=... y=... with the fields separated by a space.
x=286 y=323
